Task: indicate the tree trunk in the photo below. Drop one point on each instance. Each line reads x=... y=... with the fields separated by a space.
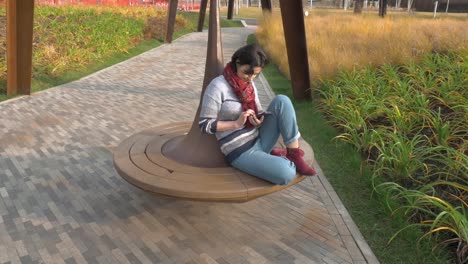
x=410 y=3
x=266 y=5
x=201 y=16
x=195 y=148
x=358 y=4
x=230 y=9
x=171 y=16
x=383 y=7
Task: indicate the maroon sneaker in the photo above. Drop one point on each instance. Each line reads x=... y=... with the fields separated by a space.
x=296 y=156
x=280 y=152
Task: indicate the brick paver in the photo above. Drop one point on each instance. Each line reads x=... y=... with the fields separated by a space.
x=61 y=201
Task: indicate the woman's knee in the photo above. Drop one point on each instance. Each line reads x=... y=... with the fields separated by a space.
x=282 y=99
x=276 y=170
x=286 y=176
x=281 y=103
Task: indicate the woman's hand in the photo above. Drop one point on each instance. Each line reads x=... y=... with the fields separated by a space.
x=235 y=124
x=243 y=117
x=256 y=122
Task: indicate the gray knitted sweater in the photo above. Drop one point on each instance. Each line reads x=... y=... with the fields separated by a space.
x=221 y=103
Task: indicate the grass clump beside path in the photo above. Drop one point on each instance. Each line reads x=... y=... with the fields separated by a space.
x=352 y=180
x=396 y=91
x=410 y=125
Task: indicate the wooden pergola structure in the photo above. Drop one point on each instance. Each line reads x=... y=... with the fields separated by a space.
x=20 y=15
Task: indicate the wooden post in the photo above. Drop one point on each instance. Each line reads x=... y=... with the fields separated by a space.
x=296 y=45
x=20 y=16
x=171 y=16
x=201 y=17
x=230 y=9
x=266 y=5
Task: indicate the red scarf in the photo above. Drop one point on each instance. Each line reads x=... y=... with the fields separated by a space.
x=244 y=90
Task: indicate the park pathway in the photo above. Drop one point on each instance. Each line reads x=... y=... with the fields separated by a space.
x=61 y=201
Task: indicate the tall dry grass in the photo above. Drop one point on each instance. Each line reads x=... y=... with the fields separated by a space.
x=346 y=41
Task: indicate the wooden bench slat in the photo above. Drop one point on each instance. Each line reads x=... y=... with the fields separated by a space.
x=152 y=183
x=140 y=161
x=153 y=151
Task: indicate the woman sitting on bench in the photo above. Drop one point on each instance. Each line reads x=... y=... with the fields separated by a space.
x=246 y=134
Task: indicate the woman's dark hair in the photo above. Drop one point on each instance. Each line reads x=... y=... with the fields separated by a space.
x=252 y=55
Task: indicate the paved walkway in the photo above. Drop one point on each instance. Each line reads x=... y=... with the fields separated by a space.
x=61 y=201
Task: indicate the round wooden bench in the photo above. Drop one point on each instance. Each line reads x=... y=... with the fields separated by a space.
x=140 y=161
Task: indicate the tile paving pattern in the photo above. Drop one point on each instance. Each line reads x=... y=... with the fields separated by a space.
x=61 y=201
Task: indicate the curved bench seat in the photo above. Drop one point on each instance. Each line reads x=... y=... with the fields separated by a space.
x=139 y=160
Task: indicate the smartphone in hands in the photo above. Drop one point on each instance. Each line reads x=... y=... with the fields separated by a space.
x=263 y=113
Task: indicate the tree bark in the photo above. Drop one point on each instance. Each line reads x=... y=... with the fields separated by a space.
x=201 y=15
x=383 y=7
x=266 y=5
x=230 y=9
x=171 y=15
x=358 y=4
x=410 y=3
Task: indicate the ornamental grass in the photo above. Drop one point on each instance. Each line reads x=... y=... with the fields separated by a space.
x=410 y=123
x=396 y=89
x=337 y=40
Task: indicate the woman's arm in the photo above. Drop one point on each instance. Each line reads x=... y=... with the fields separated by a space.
x=233 y=125
x=211 y=105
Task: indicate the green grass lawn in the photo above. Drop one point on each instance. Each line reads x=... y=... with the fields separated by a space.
x=43 y=81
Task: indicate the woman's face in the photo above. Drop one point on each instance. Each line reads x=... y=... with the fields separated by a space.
x=246 y=73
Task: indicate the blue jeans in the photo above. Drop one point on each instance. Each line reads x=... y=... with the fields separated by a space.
x=258 y=161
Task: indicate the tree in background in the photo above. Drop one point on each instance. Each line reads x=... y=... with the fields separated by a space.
x=358 y=5
x=410 y=3
x=383 y=7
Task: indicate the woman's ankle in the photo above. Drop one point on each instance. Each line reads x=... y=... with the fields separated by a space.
x=293 y=145
x=296 y=156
